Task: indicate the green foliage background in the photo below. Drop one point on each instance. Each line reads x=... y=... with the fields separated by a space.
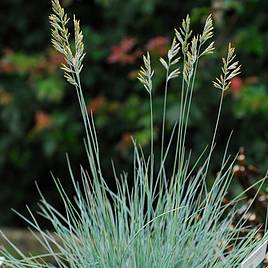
x=39 y=115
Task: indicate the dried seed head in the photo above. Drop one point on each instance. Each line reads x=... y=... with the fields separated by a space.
x=230 y=69
x=60 y=39
x=146 y=73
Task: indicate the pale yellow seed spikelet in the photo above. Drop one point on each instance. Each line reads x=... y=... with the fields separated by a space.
x=79 y=46
x=172 y=59
x=190 y=60
x=230 y=69
x=188 y=67
x=206 y=35
x=183 y=34
x=207 y=31
x=60 y=39
x=146 y=73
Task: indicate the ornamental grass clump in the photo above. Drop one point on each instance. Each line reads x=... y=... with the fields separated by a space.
x=167 y=218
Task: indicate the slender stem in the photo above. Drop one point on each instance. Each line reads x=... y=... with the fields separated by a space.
x=179 y=127
x=152 y=137
x=182 y=127
x=184 y=117
x=215 y=132
x=192 y=82
x=164 y=116
x=91 y=142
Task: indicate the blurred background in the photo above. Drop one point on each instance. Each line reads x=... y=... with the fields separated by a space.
x=40 y=118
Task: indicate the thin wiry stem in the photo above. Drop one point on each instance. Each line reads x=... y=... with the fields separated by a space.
x=152 y=139
x=178 y=140
x=164 y=115
x=215 y=132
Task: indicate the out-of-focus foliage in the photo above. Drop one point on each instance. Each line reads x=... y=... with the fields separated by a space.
x=40 y=119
